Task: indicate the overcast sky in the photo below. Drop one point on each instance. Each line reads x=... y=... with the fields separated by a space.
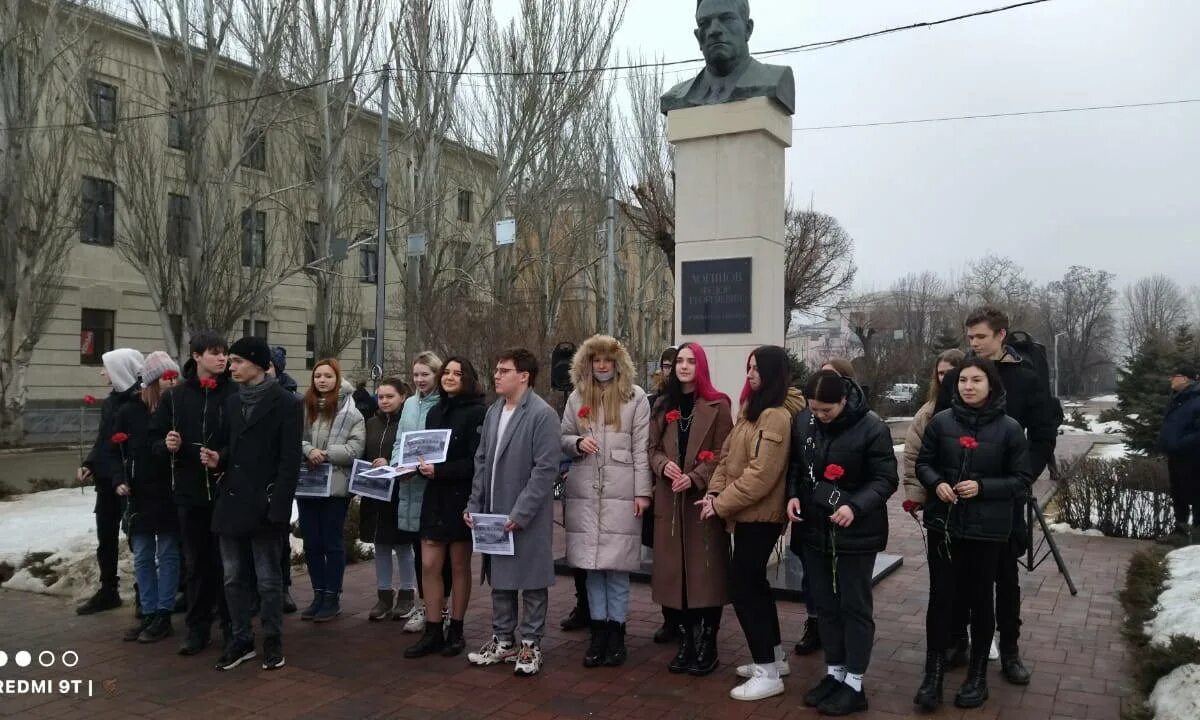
x=1117 y=189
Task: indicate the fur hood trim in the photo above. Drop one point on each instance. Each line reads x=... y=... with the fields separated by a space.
x=603 y=345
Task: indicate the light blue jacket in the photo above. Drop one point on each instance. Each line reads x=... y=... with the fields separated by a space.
x=411 y=491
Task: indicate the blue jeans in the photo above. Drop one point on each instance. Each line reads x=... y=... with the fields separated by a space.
x=156 y=568
x=321 y=524
x=608 y=595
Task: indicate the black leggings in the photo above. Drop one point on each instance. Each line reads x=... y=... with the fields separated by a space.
x=753 y=598
x=962 y=579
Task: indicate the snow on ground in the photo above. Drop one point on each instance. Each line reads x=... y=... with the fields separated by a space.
x=1178 y=610
x=1104 y=399
x=59 y=522
x=1177 y=694
x=1065 y=529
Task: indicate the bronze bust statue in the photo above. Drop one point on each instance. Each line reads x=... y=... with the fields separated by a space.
x=723 y=29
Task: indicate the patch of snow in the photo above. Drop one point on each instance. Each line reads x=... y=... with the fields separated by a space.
x=1104 y=399
x=1065 y=529
x=1108 y=451
x=1176 y=696
x=1178 y=609
x=1072 y=404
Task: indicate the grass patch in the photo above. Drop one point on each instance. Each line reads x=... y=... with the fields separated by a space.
x=1144 y=582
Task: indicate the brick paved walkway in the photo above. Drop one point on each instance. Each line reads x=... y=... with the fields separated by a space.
x=354 y=669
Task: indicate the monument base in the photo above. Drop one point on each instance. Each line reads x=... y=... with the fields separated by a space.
x=784 y=576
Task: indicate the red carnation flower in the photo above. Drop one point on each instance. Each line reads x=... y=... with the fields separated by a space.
x=584 y=412
x=673 y=416
x=910 y=507
x=89 y=399
x=170 y=375
x=968 y=443
x=120 y=438
x=706 y=456
x=834 y=472
x=208 y=383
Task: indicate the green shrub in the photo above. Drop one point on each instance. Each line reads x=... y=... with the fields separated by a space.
x=1077 y=420
x=1128 y=498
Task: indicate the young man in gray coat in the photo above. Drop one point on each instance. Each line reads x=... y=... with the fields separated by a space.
x=515 y=469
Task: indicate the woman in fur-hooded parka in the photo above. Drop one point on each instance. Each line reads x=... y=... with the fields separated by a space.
x=603 y=527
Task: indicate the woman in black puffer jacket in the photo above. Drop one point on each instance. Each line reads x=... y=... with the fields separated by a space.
x=974 y=464
x=847 y=447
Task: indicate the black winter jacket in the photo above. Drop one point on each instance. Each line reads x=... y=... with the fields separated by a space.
x=151 y=506
x=1000 y=464
x=1180 y=435
x=104 y=459
x=376 y=518
x=449 y=489
x=859 y=441
x=187 y=409
x=260 y=458
x=1029 y=403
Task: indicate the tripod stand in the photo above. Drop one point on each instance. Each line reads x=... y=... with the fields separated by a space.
x=1034 y=557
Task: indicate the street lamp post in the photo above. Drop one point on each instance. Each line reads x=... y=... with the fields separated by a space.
x=1056 y=337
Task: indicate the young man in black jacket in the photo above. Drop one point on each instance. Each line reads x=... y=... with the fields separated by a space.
x=188 y=418
x=260 y=461
x=1030 y=403
x=1179 y=440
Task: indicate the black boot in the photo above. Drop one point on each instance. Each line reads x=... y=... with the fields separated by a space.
x=136 y=629
x=686 y=656
x=578 y=619
x=158 y=629
x=106 y=598
x=958 y=657
x=616 y=653
x=311 y=611
x=929 y=696
x=706 y=650
x=330 y=607
x=667 y=633
x=432 y=641
x=810 y=642
x=455 y=643
x=974 y=690
x=1013 y=669
x=196 y=640
x=598 y=645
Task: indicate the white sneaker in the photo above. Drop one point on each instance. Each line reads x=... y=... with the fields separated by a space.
x=994 y=653
x=529 y=660
x=759 y=687
x=493 y=652
x=781 y=668
x=416 y=621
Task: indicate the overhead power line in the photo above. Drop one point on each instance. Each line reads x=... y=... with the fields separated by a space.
x=562 y=74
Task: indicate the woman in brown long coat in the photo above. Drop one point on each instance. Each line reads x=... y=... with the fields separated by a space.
x=689 y=424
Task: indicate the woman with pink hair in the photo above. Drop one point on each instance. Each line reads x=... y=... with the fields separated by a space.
x=688 y=425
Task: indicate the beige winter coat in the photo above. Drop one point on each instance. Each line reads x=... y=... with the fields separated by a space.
x=913 y=490
x=602 y=531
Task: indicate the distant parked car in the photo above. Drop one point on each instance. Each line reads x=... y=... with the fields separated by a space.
x=901 y=393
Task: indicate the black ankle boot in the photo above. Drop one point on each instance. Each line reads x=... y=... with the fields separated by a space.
x=974 y=690
x=706 y=650
x=106 y=598
x=667 y=632
x=929 y=697
x=432 y=641
x=311 y=611
x=597 y=646
x=1013 y=669
x=615 y=653
x=455 y=643
x=578 y=619
x=686 y=656
x=810 y=642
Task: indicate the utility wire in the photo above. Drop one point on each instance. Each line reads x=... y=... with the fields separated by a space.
x=555 y=74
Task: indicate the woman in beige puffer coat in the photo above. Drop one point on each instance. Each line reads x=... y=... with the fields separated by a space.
x=606 y=431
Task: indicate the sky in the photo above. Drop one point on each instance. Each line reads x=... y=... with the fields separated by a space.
x=1116 y=189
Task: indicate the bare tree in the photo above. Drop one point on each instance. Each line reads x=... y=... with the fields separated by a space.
x=1080 y=306
x=1153 y=308
x=650 y=160
x=999 y=281
x=819 y=260
x=45 y=54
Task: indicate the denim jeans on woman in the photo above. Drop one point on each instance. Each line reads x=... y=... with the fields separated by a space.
x=321 y=524
x=156 y=568
x=608 y=595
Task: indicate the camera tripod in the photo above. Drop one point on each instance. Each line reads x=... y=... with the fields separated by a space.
x=1034 y=557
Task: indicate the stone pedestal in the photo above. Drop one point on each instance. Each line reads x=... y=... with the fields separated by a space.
x=729 y=245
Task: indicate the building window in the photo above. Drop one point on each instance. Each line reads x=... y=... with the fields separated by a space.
x=176 y=130
x=179 y=224
x=176 y=321
x=312 y=238
x=370 y=263
x=367 y=348
x=98 y=211
x=464 y=205
x=102 y=102
x=255 y=328
x=96 y=330
x=254 y=238
x=255 y=152
x=310 y=346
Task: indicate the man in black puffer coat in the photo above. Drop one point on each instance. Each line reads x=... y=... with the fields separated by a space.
x=187 y=417
x=1179 y=440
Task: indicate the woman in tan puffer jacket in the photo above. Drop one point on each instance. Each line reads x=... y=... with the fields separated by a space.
x=606 y=433
x=913 y=490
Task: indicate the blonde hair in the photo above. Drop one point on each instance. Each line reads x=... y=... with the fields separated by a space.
x=609 y=396
x=429 y=359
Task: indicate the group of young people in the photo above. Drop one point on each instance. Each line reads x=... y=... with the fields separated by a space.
x=715 y=489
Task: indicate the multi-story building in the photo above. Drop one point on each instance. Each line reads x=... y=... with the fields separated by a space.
x=816 y=343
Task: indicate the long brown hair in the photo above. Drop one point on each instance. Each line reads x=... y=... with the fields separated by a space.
x=313 y=411
x=151 y=395
x=952 y=356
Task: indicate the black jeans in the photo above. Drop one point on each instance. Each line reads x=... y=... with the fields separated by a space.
x=1185 y=489
x=962 y=578
x=845 y=618
x=238 y=553
x=109 y=508
x=753 y=598
x=204 y=580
